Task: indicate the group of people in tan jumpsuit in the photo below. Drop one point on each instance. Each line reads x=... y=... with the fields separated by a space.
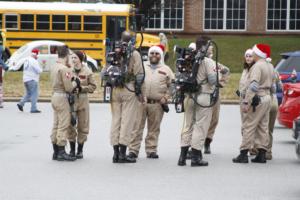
x=145 y=99
x=259 y=80
x=70 y=77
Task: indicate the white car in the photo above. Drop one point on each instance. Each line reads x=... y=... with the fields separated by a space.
x=46 y=57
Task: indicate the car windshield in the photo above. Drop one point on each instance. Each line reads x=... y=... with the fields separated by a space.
x=289 y=64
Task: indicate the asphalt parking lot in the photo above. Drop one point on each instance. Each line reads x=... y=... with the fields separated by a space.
x=28 y=173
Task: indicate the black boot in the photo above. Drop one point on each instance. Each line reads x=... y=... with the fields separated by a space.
x=72 y=149
x=261 y=157
x=79 y=154
x=242 y=158
x=115 y=158
x=196 y=160
x=62 y=155
x=153 y=155
x=183 y=156
x=132 y=155
x=55 y=151
x=207 y=146
x=122 y=156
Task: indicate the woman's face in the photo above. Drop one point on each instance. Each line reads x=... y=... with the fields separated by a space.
x=249 y=58
x=75 y=60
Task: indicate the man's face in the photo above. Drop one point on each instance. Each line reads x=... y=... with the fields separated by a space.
x=35 y=56
x=255 y=57
x=154 y=57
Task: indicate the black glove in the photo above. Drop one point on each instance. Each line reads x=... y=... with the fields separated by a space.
x=77 y=80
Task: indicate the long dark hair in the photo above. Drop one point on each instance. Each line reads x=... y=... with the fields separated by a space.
x=248 y=66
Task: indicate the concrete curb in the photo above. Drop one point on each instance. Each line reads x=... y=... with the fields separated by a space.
x=48 y=100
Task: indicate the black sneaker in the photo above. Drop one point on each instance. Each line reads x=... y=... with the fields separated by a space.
x=35 y=111
x=20 y=107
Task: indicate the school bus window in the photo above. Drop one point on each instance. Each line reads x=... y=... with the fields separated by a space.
x=0 y=21
x=92 y=23
x=58 y=23
x=42 y=22
x=11 y=22
x=43 y=49
x=27 y=22
x=74 y=22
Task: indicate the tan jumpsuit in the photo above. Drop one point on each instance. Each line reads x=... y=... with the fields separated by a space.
x=156 y=86
x=61 y=84
x=81 y=106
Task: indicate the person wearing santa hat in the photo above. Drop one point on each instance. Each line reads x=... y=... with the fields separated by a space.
x=157 y=92
x=31 y=76
x=259 y=87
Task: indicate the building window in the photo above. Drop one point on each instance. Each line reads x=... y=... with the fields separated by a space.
x=283 y=15
x=225 y=14
x=11 y=22
x=74 y=23
x=42 y=22
x=58 y=23
x=166 y=14
x=93 y=23
x=27 y=22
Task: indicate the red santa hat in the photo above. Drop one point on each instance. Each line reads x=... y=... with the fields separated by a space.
x=157 y=49
x=263 y=51
x=162 y=47
x=35 y=52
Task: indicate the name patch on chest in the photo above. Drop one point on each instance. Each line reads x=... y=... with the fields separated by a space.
x=161 y=72
x=82 y=77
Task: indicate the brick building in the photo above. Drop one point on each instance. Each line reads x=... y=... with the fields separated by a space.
x=226 y=16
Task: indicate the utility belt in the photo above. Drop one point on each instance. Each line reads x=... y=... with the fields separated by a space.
x=60 y=94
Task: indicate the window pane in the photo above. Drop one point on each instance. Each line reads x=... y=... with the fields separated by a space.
x=236 y=14
x=27 y=22
x=11 y=21
x=229 y=24
x=58 y=22
x=242 y=24
x=42 y=22
x=74 y=22
x=270 y=24
x=43 y=49
x=207 y=24
x=93 y=23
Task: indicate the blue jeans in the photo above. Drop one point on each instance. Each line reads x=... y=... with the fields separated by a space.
x=31 y=94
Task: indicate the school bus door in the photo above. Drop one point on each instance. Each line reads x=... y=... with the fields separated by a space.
x=115 y=25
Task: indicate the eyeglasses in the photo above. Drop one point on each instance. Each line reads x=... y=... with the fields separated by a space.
x=249 y=56
x=154 y=53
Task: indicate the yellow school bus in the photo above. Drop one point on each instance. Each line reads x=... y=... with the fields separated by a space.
x=81 y=26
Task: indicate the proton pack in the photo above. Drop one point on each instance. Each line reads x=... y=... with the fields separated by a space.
x=187 y=65
x=116 y=74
